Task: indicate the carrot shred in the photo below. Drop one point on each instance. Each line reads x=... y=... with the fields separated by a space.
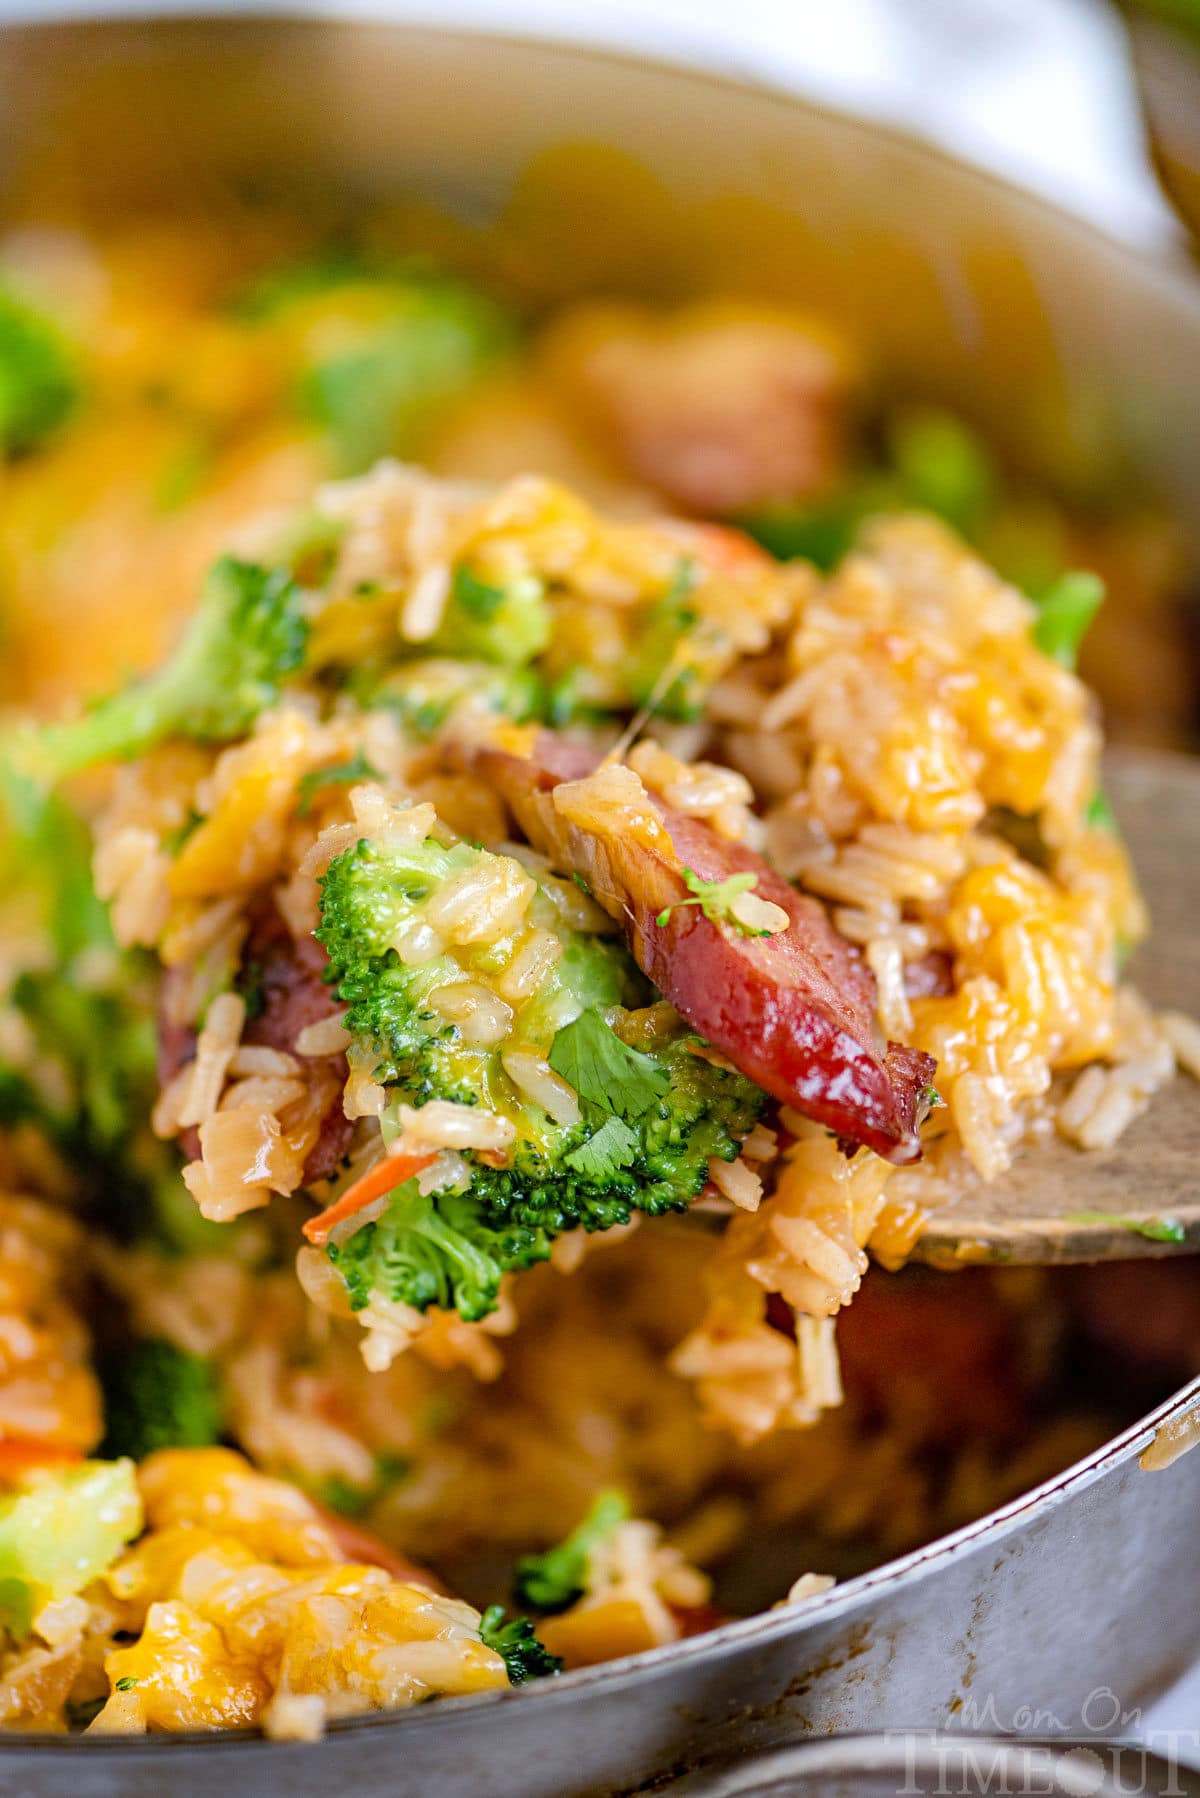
x=376 y=1183
x=729 y=549
x=18 y=1453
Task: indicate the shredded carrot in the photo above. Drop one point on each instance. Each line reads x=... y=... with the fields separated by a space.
x=729 y=549
x=19 y=1453
x=376 y=1183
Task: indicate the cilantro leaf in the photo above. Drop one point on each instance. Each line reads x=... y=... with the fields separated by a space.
x=614 y=1145
x=341 y=774
x=1064 y=614
x=1099 y=814
x=1155 y=1229
x=716 y=899
x=604 y=1071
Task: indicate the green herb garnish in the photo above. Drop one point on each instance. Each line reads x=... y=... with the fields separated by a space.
x=604 y=1071
x=716 y=899
x=1155 y=1229
x=341 y=774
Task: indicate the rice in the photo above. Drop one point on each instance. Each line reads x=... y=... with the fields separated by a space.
x=328 y=1036
x=442 y=1124
x=532 y=1075
x=877 y=730
x=48 y=1391
x=736 y=1182
x=809 y=1585
x=238 y=1579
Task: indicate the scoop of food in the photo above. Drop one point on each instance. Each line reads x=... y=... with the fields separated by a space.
x=754 y=965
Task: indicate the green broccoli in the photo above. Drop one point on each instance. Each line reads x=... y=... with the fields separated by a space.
x=668 y=623
x=105 y=1045
x=510 y=623
x=931 y=462
x=555 y=1580
x=46 y=850
x=435 y=1249
x=382 y=350
x=38 y=385
x=516 y=1642
x=348 y=1499
x=159 y=1396
x=653 y=1159
x=423 y=693
x=247 y=635
x=651 y=1116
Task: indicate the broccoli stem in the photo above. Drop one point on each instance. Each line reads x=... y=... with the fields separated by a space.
x=247 y=635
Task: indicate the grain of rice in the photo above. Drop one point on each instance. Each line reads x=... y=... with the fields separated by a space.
x=297 y=901
x=481 y=903
x=568 y=1251
x=363 y=1096
x=739 y=1183
x=425 y=603
x=1183 y=1034
x=442 y=1124
x=321 y=1282
x=379 y=816
x=192 y=933
x=250 y=1058
x=809 y=1585
x=294 y=1717
x=533 y=1075
x=451 y=1172
x=215 y=1049
x=811 y=1247
x=762 y=1144
x=328 y=1036
x=761 y=917
x=820 y=1381
x=482 y=1017
x=538 y=953
x=886 y=962
x=329 y=845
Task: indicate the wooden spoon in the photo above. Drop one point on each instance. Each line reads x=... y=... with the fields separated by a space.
x=1142 y=1197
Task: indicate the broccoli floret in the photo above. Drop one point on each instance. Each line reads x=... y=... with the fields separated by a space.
x=424 y=693
x=159 y=1396
x=381 y=351
x=369 y=896
x=349 y=1499
x=372 y=899
x=38 y=385
x=509 y=622
x=247 y=635
x=553 y=1581
x=435 y=1249
x=657 y=677
x=598 y=1173
x=930 y=462
x=100 y=1045
x=651 y=1116
x=517 y=1644
x=46 y=850
x=105 y=1045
